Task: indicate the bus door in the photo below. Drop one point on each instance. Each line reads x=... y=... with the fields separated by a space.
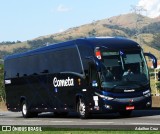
x=94 y=82
x=93 y=76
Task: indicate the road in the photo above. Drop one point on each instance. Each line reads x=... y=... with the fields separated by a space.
x=139 y=118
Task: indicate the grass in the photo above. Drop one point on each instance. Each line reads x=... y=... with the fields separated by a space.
x=84 y=132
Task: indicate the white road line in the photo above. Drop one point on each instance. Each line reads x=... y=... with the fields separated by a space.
x=60 y=121
x=144 y=123
x=101 y=122
x=31 y=120
x=6 y=120
x=56 y=121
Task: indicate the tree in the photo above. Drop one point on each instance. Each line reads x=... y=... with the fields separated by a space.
x=156 y=41
x=2 y=92
x=92 y=32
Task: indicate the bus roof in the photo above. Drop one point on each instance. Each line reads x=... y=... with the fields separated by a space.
x=117 y=43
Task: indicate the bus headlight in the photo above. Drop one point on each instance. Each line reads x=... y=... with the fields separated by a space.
x=147 y=93
x=104 y=97
x=107 y=97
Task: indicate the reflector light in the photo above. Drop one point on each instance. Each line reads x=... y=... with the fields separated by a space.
x=98 y=55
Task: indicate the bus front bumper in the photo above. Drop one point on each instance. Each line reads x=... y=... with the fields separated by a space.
x=122 y=104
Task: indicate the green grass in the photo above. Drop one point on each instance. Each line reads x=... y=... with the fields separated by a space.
x=48 y=130
x=85 y=132
x=2 y=93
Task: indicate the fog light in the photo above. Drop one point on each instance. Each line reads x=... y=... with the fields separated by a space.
x=148 y=104
x=96 y=107
x=108 y=106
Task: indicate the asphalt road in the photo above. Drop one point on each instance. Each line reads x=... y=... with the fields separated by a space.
x=141 y=118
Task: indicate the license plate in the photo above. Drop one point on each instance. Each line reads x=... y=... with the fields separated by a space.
x=129 y=107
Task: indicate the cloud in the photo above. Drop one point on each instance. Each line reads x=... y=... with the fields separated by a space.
x=61 y=30
x=152 y=7
x=62 y=8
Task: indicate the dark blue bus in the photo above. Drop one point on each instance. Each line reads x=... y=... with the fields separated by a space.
x=88 y=75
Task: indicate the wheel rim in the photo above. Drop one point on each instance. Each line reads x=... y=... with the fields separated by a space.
x=82 y=108
x=24 y=109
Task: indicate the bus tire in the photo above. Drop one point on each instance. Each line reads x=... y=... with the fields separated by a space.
x=125 y=113
x=82 y=110
x=25 y=111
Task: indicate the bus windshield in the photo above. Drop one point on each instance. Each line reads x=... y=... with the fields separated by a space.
x=123 y=67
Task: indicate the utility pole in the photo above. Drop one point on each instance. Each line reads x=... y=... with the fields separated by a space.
x=138 y=11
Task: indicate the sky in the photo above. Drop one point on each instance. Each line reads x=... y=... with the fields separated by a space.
x=28 y=19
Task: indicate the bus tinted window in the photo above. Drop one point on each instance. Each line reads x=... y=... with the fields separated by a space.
x=66 y=60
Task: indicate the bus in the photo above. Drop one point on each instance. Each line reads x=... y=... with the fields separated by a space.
x=85 y=75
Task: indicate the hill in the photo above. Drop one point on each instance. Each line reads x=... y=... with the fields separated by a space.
x=142 y=29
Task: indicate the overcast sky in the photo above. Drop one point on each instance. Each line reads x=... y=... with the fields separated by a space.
x=27 y=19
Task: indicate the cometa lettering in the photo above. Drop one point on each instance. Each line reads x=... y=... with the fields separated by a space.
x=63 y=82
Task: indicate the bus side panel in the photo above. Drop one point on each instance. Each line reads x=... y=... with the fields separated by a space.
x=28 y=77
x=33 y=89
x=65 y=87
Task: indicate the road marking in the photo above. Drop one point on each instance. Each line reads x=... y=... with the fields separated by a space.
x=56 y=121
x=3 y=120
x=31 y=120
x=144 y=123
x=61 y=121
x=101 y=122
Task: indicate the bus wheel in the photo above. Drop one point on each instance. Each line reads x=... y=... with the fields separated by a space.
x=125 y=113
x=82 y=110
x=25 y=112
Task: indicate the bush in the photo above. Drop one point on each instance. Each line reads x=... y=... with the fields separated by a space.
x=158 y=85
x=2 y=92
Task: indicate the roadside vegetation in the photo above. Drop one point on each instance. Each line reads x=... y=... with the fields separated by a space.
x=83 y=131
x=2 y=93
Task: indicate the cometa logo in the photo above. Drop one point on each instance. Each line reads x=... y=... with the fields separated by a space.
x=63 y=82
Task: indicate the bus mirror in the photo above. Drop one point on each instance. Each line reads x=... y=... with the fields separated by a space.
x=95 y=61
x=154 y=59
